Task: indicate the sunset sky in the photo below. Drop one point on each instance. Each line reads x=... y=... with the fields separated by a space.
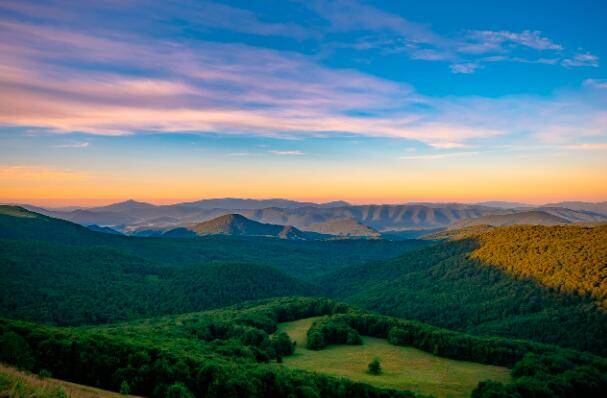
x=370 y=102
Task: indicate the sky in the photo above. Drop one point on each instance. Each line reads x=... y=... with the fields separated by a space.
x=364 y=101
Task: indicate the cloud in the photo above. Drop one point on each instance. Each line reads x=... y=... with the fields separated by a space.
x=438 y=156
x=465 y=68
x=287 y=153
x=596 y=146
x=447 y=145
x=581 y=59
x=391 y=33
x=25 y=173
x=596 y=83
x=65 y=80
x=73 y=145
x=482 y=41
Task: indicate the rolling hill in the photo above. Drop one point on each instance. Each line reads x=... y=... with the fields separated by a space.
x=74 y=285
x=534 y=282
x=238 y=352
x=237 y=225
x=532 y=217
x=59 y=272
x=344 y=227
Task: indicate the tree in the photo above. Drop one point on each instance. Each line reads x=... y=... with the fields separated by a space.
x=282 y=344
x=125 y=389
x=178 y=390
x=375 y=366
x=316 y=341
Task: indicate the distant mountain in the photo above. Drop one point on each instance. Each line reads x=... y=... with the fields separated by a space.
x=238 y=225
x=380 y=218
x=106 y=230
x=128 y=205
x=596 y=207
x=503 y=204
x=250 y=204
x=532 y=217
x=343 y=227
x=579 y=216
x=139 y=218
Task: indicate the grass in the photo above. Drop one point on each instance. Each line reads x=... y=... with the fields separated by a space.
x=17 y=384
x=404 y=368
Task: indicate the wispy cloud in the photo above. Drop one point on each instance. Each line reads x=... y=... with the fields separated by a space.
x=483 y=41
x=67 y=79
x=466 y=51
x=33 y=173
x=596 y=146
x=438 y=156
x=465 y=68
x=596 y=83
x=581 y=59
x=287 y=153
x=73 y=145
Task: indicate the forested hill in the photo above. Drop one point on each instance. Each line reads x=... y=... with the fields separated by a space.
x=500 y=282
x=233 y=353
x=74 y=285
x=62 y=273
x=570 y=259
x=303 y=259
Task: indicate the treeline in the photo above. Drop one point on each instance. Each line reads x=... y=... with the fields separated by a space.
x=218 y=363
x=331 y=331
x=443 y=285
x=537 y=370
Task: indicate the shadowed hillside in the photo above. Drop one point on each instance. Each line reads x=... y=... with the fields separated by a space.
x=502 y=282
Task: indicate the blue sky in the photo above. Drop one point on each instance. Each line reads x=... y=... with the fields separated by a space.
x=118 y=91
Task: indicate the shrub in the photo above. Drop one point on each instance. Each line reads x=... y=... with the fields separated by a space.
x=375 y=366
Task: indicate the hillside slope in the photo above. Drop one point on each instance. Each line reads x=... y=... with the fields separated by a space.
x=238 y=225
x=501 y=282
x=532 y=217
x=306 y=259
x=343 y=227
x=72 y=285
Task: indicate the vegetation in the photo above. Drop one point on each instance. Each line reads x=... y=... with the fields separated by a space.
x=17 y=384
x=331 y=331
x=74 y=285
x=374 y=366
x=568 y=259
x=404 y=368
x=539 y=283
x=61 y=273
x=460 y=284
x=222 y=353
x=229 y=353
x=302 y=259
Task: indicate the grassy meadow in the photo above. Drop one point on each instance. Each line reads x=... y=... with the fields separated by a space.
x=403 y=367
x=17 y=384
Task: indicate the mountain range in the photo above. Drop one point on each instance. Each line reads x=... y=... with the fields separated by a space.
x=237 y=225
x=334 y=218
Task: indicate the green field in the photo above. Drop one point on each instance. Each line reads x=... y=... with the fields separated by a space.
x=403 y=367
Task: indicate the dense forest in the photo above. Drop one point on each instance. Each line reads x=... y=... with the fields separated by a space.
x=450 y=286
x=541 y=284
x=61 y=273
x=301 y=259
x=234 y=353
x=569 y=259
